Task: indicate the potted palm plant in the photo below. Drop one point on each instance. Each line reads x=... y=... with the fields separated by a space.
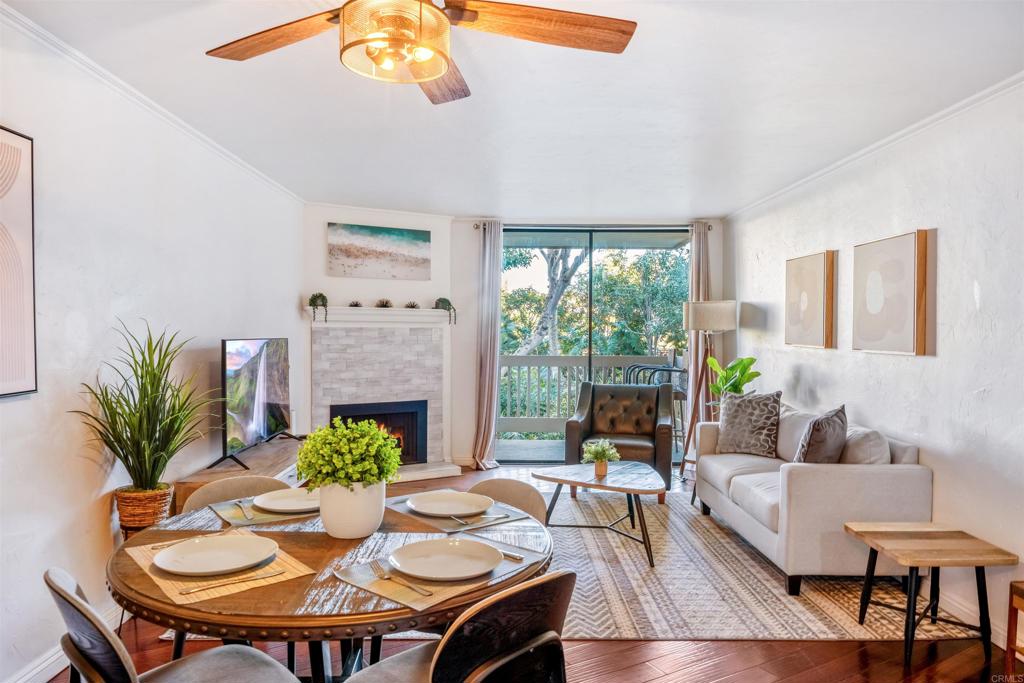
x=600 y=452
x=351 y=463
x=144 y=417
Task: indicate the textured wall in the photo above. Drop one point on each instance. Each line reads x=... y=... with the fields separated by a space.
x=378 y=364
x=135 y=219
x=963 y=177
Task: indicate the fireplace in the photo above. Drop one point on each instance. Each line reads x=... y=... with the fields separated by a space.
x=404 y=420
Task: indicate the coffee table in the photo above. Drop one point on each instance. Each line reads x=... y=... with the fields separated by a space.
x=922 y=544
x=632 y=478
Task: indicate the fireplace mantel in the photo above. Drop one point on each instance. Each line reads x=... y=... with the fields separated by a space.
x=367 y=316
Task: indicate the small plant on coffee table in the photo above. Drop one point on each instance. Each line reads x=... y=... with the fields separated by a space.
x=600 y=452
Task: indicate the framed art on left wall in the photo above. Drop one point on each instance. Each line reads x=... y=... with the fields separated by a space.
x=17 y=266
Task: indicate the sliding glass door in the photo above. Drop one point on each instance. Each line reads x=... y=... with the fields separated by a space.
x=581 y=304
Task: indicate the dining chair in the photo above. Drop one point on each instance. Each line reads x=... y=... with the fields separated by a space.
x=231 y=488
x=98 y=656
x=516 y=493
x=514 y=635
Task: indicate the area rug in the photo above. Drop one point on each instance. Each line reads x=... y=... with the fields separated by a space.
x=708 y=583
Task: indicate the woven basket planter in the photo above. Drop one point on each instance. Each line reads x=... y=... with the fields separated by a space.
x=140 y=509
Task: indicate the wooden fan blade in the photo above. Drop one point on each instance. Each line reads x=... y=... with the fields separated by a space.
x=542 y=25
x=277 y=37
x=447 y=88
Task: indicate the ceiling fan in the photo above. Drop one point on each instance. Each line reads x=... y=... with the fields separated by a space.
x=408 y=41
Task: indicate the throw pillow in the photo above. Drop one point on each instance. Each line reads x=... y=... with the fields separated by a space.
x=792 y=425
x=824 y=439
x=749 y=424
x=865 y=447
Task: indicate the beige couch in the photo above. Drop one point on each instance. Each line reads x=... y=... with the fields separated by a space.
x=794 y=512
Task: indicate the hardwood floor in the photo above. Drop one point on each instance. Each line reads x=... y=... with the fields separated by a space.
x=625 y=661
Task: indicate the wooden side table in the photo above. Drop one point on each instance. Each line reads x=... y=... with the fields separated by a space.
x=1016 y=605
x=918 y=545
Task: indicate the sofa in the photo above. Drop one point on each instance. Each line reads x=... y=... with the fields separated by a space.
x=793 y=512
x=637 y=418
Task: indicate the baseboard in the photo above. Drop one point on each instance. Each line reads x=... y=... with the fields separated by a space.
x=966 y=610
x=53 y=661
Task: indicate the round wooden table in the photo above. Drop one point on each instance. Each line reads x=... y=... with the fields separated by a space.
x=313 y=608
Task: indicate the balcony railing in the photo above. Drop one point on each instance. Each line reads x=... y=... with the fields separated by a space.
x=538 y=393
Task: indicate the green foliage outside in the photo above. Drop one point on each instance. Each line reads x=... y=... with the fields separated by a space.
x=601 y=450
x=347 y=453
x=732 y=378
x=145 y=416
x=638 y=297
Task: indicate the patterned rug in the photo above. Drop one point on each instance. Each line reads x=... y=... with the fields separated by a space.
x=708 y=583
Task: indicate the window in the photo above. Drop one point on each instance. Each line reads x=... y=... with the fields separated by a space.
x=581 y=304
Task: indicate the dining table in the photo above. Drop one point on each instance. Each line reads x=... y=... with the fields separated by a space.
x=316 y=608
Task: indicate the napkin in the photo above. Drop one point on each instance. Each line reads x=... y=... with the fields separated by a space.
x=232 y=514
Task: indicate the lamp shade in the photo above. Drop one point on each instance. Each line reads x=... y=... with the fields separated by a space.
x=710 y=316
x=401 y=41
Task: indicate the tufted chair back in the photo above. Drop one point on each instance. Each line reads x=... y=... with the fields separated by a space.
x=625 y=409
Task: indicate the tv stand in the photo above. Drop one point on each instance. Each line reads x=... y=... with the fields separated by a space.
x=232 y=457
x=275 y=459
x=286 y=435
x=226 y=457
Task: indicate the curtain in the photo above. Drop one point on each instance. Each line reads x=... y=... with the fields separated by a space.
x=488 y=344
x=700 y=290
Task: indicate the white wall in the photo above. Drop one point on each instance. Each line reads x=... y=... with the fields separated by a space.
x=340 y=291
x=962 y=176
x=135 y=218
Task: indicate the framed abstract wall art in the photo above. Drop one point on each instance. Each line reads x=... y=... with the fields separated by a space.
x=367 y=251
x=811 y=300
x=889 y=294
x=17 y=266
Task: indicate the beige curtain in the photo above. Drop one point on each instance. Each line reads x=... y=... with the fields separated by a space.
x=488 y=344
x=700 y=290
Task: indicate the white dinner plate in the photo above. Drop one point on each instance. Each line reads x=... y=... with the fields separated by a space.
x=445 y=559
x=448 y=503
x=211 y=555
x=289 y=500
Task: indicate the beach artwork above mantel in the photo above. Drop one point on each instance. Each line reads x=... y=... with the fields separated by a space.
x=367 y=251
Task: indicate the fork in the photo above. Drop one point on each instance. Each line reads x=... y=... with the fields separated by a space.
x=161 y=546
x=378 y=570
x=240 y=579
x=245 y=511
x=465 y=523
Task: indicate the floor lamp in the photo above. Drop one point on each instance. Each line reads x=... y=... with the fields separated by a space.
x=706 y=318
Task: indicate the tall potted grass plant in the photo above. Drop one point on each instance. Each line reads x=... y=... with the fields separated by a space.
x=145 y=417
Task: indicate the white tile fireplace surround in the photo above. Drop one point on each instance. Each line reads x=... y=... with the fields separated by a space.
x=378 y=355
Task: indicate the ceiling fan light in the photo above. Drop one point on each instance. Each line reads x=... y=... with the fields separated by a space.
x=422 y=54
x=395 y=40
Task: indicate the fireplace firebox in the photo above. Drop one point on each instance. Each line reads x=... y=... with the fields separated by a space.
x=404 y=420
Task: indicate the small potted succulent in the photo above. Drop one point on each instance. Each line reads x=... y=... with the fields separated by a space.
x=351 y=463
x=600 y=452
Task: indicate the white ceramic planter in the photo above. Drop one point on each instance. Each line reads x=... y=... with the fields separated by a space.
x=355 y=513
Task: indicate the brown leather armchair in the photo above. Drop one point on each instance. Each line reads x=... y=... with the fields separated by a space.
x=637 y=418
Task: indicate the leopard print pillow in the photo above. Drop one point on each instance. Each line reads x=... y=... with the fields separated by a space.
x=749 y=424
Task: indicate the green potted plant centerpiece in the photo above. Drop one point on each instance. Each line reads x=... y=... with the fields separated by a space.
x=600 y=452
x=350 y=463
x=145 y=417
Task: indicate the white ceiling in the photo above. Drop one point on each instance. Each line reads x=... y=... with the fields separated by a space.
x=713 y=105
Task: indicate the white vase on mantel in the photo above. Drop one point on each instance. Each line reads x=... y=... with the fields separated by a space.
x=352 y=513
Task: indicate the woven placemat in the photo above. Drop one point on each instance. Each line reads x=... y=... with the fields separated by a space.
x=173 y=584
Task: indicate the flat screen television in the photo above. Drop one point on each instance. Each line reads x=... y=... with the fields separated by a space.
x=254 y=386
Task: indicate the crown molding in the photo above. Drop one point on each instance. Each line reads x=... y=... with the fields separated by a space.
x=990 y=93
x=19 y=22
